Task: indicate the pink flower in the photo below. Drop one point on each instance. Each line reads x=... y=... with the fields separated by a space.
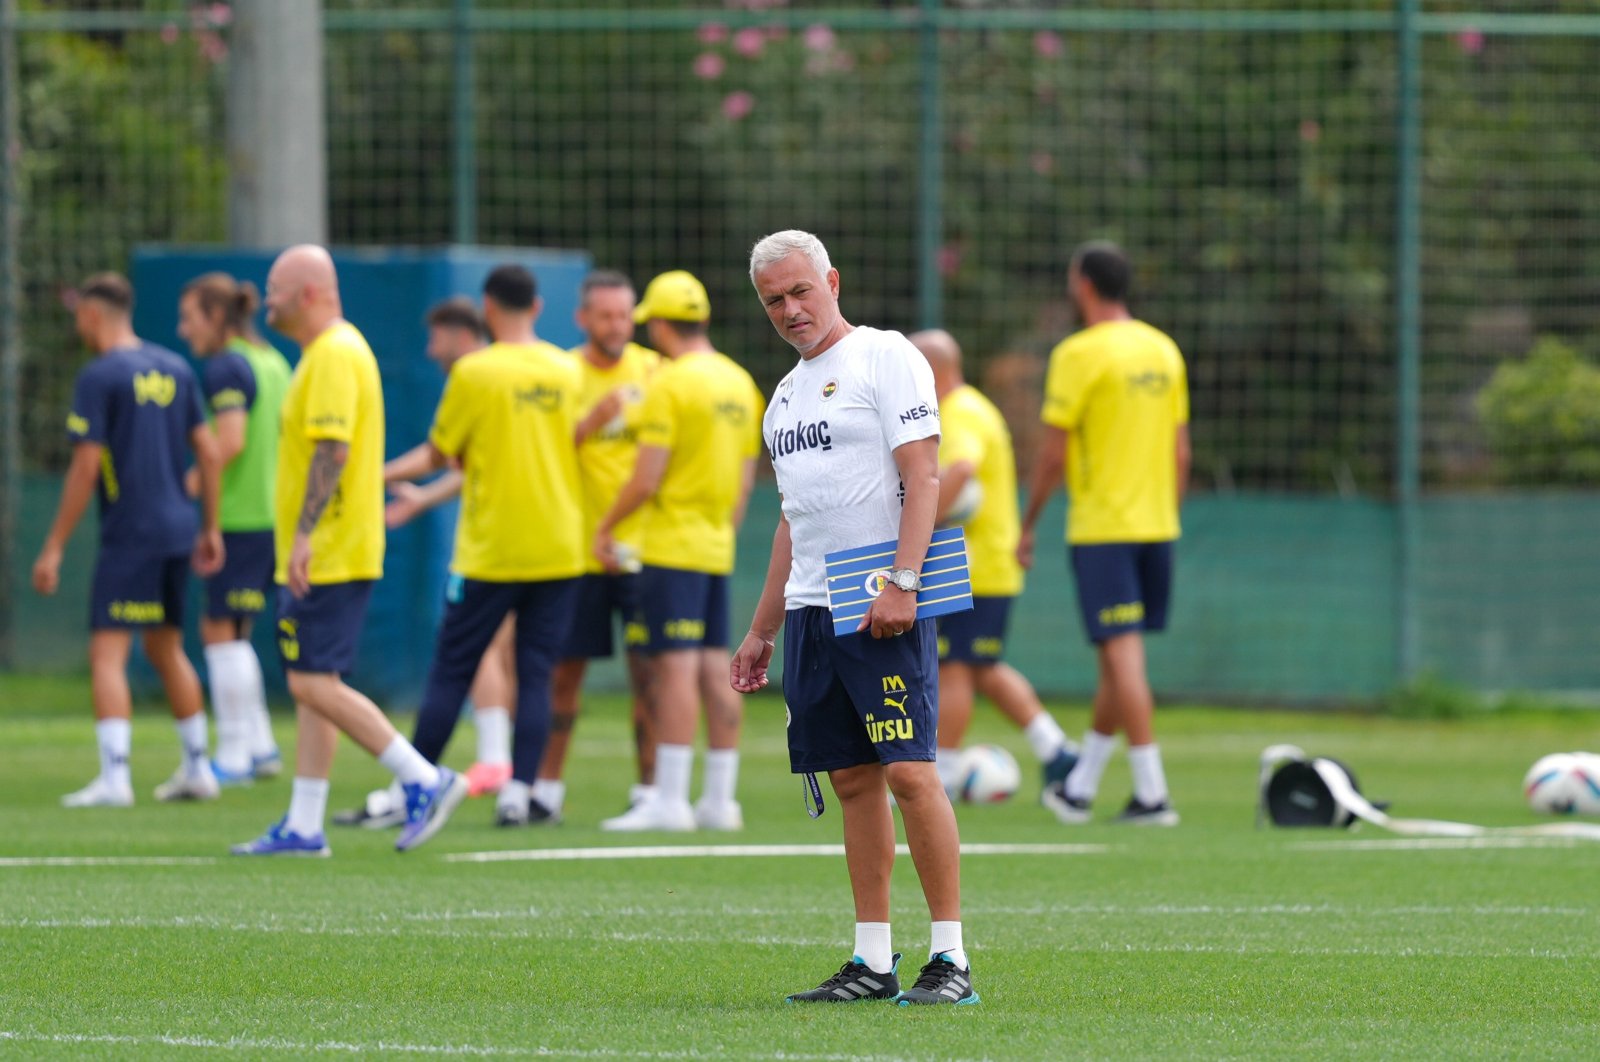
x=712 y=32
x=169 y=34
x=749 y=41
x=819 y=38
x=1470 y=41
x=738 y=105
x=1043 y=163
x=708 y=66
x=219 y=14
x=948 y=259
x=212 y=47
x=1310 y=130
x=1049 y=44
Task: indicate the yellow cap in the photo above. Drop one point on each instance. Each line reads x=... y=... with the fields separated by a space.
x=674 y=296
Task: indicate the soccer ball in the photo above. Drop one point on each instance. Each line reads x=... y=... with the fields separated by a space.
x=989 y=775
x=1564 y=783
x=965 y=505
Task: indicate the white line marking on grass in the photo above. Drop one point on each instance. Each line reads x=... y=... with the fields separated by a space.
x=239 y=1043
x=733 y=851
x=106 y=861
x=1414 y=844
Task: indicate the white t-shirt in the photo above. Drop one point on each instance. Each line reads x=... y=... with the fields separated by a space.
x=832 y=428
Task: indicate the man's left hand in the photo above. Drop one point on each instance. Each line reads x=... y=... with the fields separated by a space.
x=208 y=553
x=891 y=614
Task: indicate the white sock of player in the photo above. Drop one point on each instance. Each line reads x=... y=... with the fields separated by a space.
x=1084 y=781
x=263 y=745
x=873 y=946
x=192 y=735
x=673 y=763
x=115 y=738
x=1149 y=781
x=949 y=767
x=551 y=792
x=722 y=775
x=946 y=940
x=407 y=764
x=1045 y=737
x=639 y=792
x=494 y=735
x=513 y=794
x=308 y=806
x=230 y=699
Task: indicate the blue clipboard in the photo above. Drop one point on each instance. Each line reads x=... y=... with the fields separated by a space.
x=856 y=577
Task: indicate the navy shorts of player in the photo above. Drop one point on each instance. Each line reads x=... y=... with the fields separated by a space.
x=600 y=598
x=130 y=589
x=321 y=632
x=978 y=635
x=239 y=591
x=1122 y=587
x=679 y=609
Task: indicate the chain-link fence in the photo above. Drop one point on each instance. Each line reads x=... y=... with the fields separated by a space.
x=1373 y=227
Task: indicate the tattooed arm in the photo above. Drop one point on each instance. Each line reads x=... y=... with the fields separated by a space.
x=322 y=482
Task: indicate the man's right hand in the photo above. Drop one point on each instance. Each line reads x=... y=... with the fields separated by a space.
x=748 y=671
x=406 y=505
x=47 y=570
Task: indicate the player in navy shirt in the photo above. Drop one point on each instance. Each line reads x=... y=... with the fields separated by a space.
x=135 y=410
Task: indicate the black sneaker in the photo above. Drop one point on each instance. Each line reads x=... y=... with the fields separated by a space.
x=1137 y=814
x=536 y=815
x=376 y=813
x=1070 y=810
x=941 y=981
x=854 y=981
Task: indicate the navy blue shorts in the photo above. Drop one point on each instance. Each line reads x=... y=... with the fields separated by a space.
x=321 y=632
x=976 y=636
x=1122 y=587
x=679 y=609
x=856 y=699
x=239 y=591
x=600 y=597
x=133 y=590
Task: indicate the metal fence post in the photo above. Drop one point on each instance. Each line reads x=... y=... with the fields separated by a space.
x=464 y=227
x=930 y=174
x=10 y=328
x=1408 y=327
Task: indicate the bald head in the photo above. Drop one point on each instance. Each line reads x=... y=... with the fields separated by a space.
x=303 y=292
x=944 y=356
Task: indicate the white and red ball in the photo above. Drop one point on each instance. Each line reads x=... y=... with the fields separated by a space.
x=989 y=775
x=1564 y=783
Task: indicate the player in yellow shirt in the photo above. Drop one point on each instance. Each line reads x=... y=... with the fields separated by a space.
x=976 y=459
x=455 y=329
x=329 y=532
x=1116 y=416
x=508 y=415
x=699 y=434
x=615 y=371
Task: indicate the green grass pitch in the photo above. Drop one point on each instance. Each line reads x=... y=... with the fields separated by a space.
x=1210 y=940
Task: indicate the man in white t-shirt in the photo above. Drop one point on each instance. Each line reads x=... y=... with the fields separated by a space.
x=854 y=436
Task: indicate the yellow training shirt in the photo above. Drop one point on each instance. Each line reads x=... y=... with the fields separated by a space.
x=335 y=393
x=707 y=411
x=1120 y=390
x=605 y=459
x=971 y=429
x=509 y=413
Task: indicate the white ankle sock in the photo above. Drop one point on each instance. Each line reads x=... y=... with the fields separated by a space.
x=308 y=806
x=494 y=734
x=873 y=946
x=193 y=737
x=946 y=940
x=673 y=763
x=513 y=794
x=1084 y=781
x=551 y=792
x=1149 y=781
x=949 y=765
x=407 y=764
x=115 y=738
x=722 y=775
x=229 y=700
x=1044 y=736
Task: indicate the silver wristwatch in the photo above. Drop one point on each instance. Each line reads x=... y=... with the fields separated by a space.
x=905 y=579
